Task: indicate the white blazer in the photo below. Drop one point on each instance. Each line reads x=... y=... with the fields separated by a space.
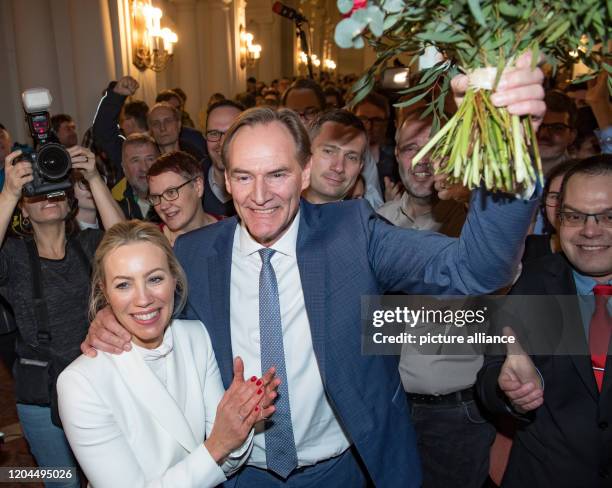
x=127 y=430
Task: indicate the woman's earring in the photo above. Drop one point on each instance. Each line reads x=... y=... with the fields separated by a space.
x=26 y=222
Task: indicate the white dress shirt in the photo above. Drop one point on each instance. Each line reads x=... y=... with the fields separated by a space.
x=318 y=434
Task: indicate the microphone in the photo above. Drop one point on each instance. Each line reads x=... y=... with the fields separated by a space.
x=288 y=12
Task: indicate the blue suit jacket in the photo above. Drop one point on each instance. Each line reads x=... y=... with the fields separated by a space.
x=345 y=251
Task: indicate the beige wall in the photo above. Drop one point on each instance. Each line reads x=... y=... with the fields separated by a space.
x=75 y=47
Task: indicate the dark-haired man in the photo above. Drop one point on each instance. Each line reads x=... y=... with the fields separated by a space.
x=219 y=117
x=306 y=98
x=558 y=130
x=380 y=170
x=338 y=141
x=65 y=129
x=565 y=405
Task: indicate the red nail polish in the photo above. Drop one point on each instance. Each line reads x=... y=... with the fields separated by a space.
x=257 y=408
x=258 y=383
x=253 y=378
x=259 y=392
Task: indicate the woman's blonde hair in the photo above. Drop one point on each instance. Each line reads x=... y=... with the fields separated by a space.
x=129 y=232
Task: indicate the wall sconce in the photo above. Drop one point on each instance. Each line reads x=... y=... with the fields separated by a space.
x=329 y=64
x=249 y=52
x=152 y=46
x=316 y=62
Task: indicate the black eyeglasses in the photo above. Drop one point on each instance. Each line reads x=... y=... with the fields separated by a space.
x=375 y=121
x=579 y=219
x=214 y=135
x=558 y=127
x=169 y=194
x=309 y=114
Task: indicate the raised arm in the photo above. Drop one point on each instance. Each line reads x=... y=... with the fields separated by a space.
x=107 y=135
x=16 y=175
x=486 y=255
x=85 y=161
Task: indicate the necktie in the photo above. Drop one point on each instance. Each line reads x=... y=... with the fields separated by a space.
x=281 y=454
x=599 y=332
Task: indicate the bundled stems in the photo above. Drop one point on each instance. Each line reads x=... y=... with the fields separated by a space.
x=482 y=143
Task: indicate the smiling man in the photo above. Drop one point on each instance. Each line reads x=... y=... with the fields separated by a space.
x=419 y=207
x=282 y=285
x=339 y=143
x=570 y=412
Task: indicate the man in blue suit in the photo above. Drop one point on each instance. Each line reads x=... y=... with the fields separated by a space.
x=283 y=283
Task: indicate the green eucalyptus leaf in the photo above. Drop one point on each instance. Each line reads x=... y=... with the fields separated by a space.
x=509 y=10
x=345 y=6
x=559 y=31
x=376 y=20
x=393 y=6
x=477 y=12
x=346 y=30
x=390 y=21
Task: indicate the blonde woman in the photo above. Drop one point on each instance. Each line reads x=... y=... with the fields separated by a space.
x=158 y=414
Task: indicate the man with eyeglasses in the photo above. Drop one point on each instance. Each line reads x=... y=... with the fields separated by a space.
x=306 y=98
x=380 y=170
x=564 y=402
x=558 y=129
x=219 y=117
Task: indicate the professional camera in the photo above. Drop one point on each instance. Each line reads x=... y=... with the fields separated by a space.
x=51 y=163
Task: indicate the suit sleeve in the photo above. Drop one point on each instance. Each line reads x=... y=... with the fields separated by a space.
x=103 y=451
x=483 y=259
x=213 y=392
x=106 y=133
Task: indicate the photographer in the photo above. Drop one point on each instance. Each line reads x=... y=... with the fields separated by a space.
x=47 y=277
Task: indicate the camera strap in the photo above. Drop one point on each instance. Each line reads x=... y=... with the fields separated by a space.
x=41 y=314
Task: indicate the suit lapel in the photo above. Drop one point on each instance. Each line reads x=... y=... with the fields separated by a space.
x=562 y=283
x=311 y=263
x=154 y=397
x=219 y=280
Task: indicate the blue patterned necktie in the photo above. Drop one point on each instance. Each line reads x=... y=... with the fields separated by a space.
x=281 y=454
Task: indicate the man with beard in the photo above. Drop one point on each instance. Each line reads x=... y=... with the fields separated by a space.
x=420 y=207
x=339 y=143
x=219 y=117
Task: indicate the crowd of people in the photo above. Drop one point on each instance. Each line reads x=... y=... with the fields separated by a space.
x=267 y=225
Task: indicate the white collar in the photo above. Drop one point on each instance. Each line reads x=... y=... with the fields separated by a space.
x=160 y=351
x=286 y=245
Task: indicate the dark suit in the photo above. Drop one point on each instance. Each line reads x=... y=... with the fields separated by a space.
x=566 y=442
x=345 y=251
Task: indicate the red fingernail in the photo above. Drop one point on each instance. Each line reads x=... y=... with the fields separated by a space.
x=257 y=408
x=259 y=391
x=258 y=382
x=253 y=378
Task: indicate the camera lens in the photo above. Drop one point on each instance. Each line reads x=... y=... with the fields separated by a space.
x=53 y=161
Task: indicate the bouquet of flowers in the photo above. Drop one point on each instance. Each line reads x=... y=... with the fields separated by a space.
x=480 y=38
